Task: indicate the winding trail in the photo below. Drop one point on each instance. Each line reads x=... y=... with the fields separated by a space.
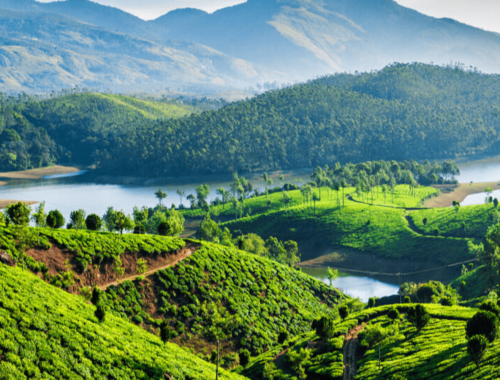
x=184 y=254
x=349 y=351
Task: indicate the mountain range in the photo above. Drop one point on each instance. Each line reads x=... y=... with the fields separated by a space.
x=49 y=46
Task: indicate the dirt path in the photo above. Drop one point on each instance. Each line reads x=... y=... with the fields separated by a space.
x=184 y=255
x=349 y=351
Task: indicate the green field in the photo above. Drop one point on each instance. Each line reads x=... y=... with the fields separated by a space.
x=403 y=196
x=50 y=334
x=380 y=231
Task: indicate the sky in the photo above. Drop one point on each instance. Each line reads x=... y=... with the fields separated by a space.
x=483 y=14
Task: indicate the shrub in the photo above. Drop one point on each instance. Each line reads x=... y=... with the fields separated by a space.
x=325 y=327
x=165 y=229
x=372 y=301
x=446 y=301
x=244 y=357
x=55 y=219
x=436 y=232
x=418 y=316
x=425 y=293
x=482 y=323
x=230 y=360
x=424 y=221
x=491 y=306
x=343 y=311
x=100 y=312
x=18 y=213
x=283 y=336
x=393 y=314
x=476 y=347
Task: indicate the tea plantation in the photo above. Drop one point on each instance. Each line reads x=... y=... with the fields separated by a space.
x=263 y=295
x=47 y=333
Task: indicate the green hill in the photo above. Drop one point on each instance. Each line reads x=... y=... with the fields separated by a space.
x=48 y=333
x=438 y=351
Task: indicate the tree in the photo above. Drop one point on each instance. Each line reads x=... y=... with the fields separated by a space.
x=18 y=213
x=286 y=199
x=275 y=249
x=253 y=243
x=223 y=195
x=315 y=198
x=96 y=296
x=343 y=311
x=376 y=335
x=192 y=199
x=418 y=316
x=165 y=332
x=298 y=360
x=292 y=254
x=40 y=216
x=123 y=222
x=181 y=193
x=93 y=222
x=209 y=230
x=55 y=219
x=109 y=219
x=160 y=194
x=244 y=357
x=202 y=192
x=476 y=347
x=332 y=275
x=139 y=229
x=325 y=327
x=482 y=323
x=78 y=219
x=219 y=324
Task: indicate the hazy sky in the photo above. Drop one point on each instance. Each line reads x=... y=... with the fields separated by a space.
x=480 y=13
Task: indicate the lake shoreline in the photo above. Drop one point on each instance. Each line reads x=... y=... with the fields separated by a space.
x=450 y=193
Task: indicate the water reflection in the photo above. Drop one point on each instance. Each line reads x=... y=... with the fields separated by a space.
x=362 y=287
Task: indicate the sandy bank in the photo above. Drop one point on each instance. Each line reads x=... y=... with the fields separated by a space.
x=5 y=202
x=450 y=193
x=39 y=173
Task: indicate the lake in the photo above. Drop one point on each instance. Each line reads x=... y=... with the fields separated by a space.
x=69 y=192
x=354 y=286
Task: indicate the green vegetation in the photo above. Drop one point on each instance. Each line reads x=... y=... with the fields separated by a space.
x=45 y=332
x=264 y=296
x=344 y=118
x=404 y=196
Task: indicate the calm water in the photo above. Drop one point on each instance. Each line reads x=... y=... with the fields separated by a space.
x=72 y=191
x=486 y=170
x=362 y=287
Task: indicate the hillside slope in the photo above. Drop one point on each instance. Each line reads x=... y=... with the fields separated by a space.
x=45 y=330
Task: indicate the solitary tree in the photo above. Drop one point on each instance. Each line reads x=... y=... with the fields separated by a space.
x=123 y=222
x=181 y=193
x=332 y=275
x=93 y=222
x=219 y=324
x=418 y=316
x=160 y=194
x=78 y=219
x=55 y=219
x=482 y=323
x=18 y=213
x=40 y=216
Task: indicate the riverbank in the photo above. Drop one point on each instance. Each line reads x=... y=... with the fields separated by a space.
x=37 y=173
x=450 y=193
x=5 y=202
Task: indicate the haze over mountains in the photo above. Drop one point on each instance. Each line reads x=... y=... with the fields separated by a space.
x=49 y=46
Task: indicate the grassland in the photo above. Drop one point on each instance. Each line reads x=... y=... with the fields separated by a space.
x=47 y=333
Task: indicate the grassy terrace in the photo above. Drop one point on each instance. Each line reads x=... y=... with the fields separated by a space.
x=47 y=333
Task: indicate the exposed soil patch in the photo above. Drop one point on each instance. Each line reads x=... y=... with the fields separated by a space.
x=349 y=351
x=450 y=193
x=60 y=259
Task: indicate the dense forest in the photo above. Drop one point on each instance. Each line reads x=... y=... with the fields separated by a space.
x=403 y=111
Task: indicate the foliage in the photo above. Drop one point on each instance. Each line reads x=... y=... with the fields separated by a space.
x=55 y=219
x=483 y=323
x=40 y=216
x=93 y=222
x=476 y=347
x=418 y=316
x=45 y=332
x=298 y=360
x=18 y=213
x=324 y=327
x=78 y=219
x=343 y=311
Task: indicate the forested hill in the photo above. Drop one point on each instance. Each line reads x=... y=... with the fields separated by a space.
x=404 y=111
